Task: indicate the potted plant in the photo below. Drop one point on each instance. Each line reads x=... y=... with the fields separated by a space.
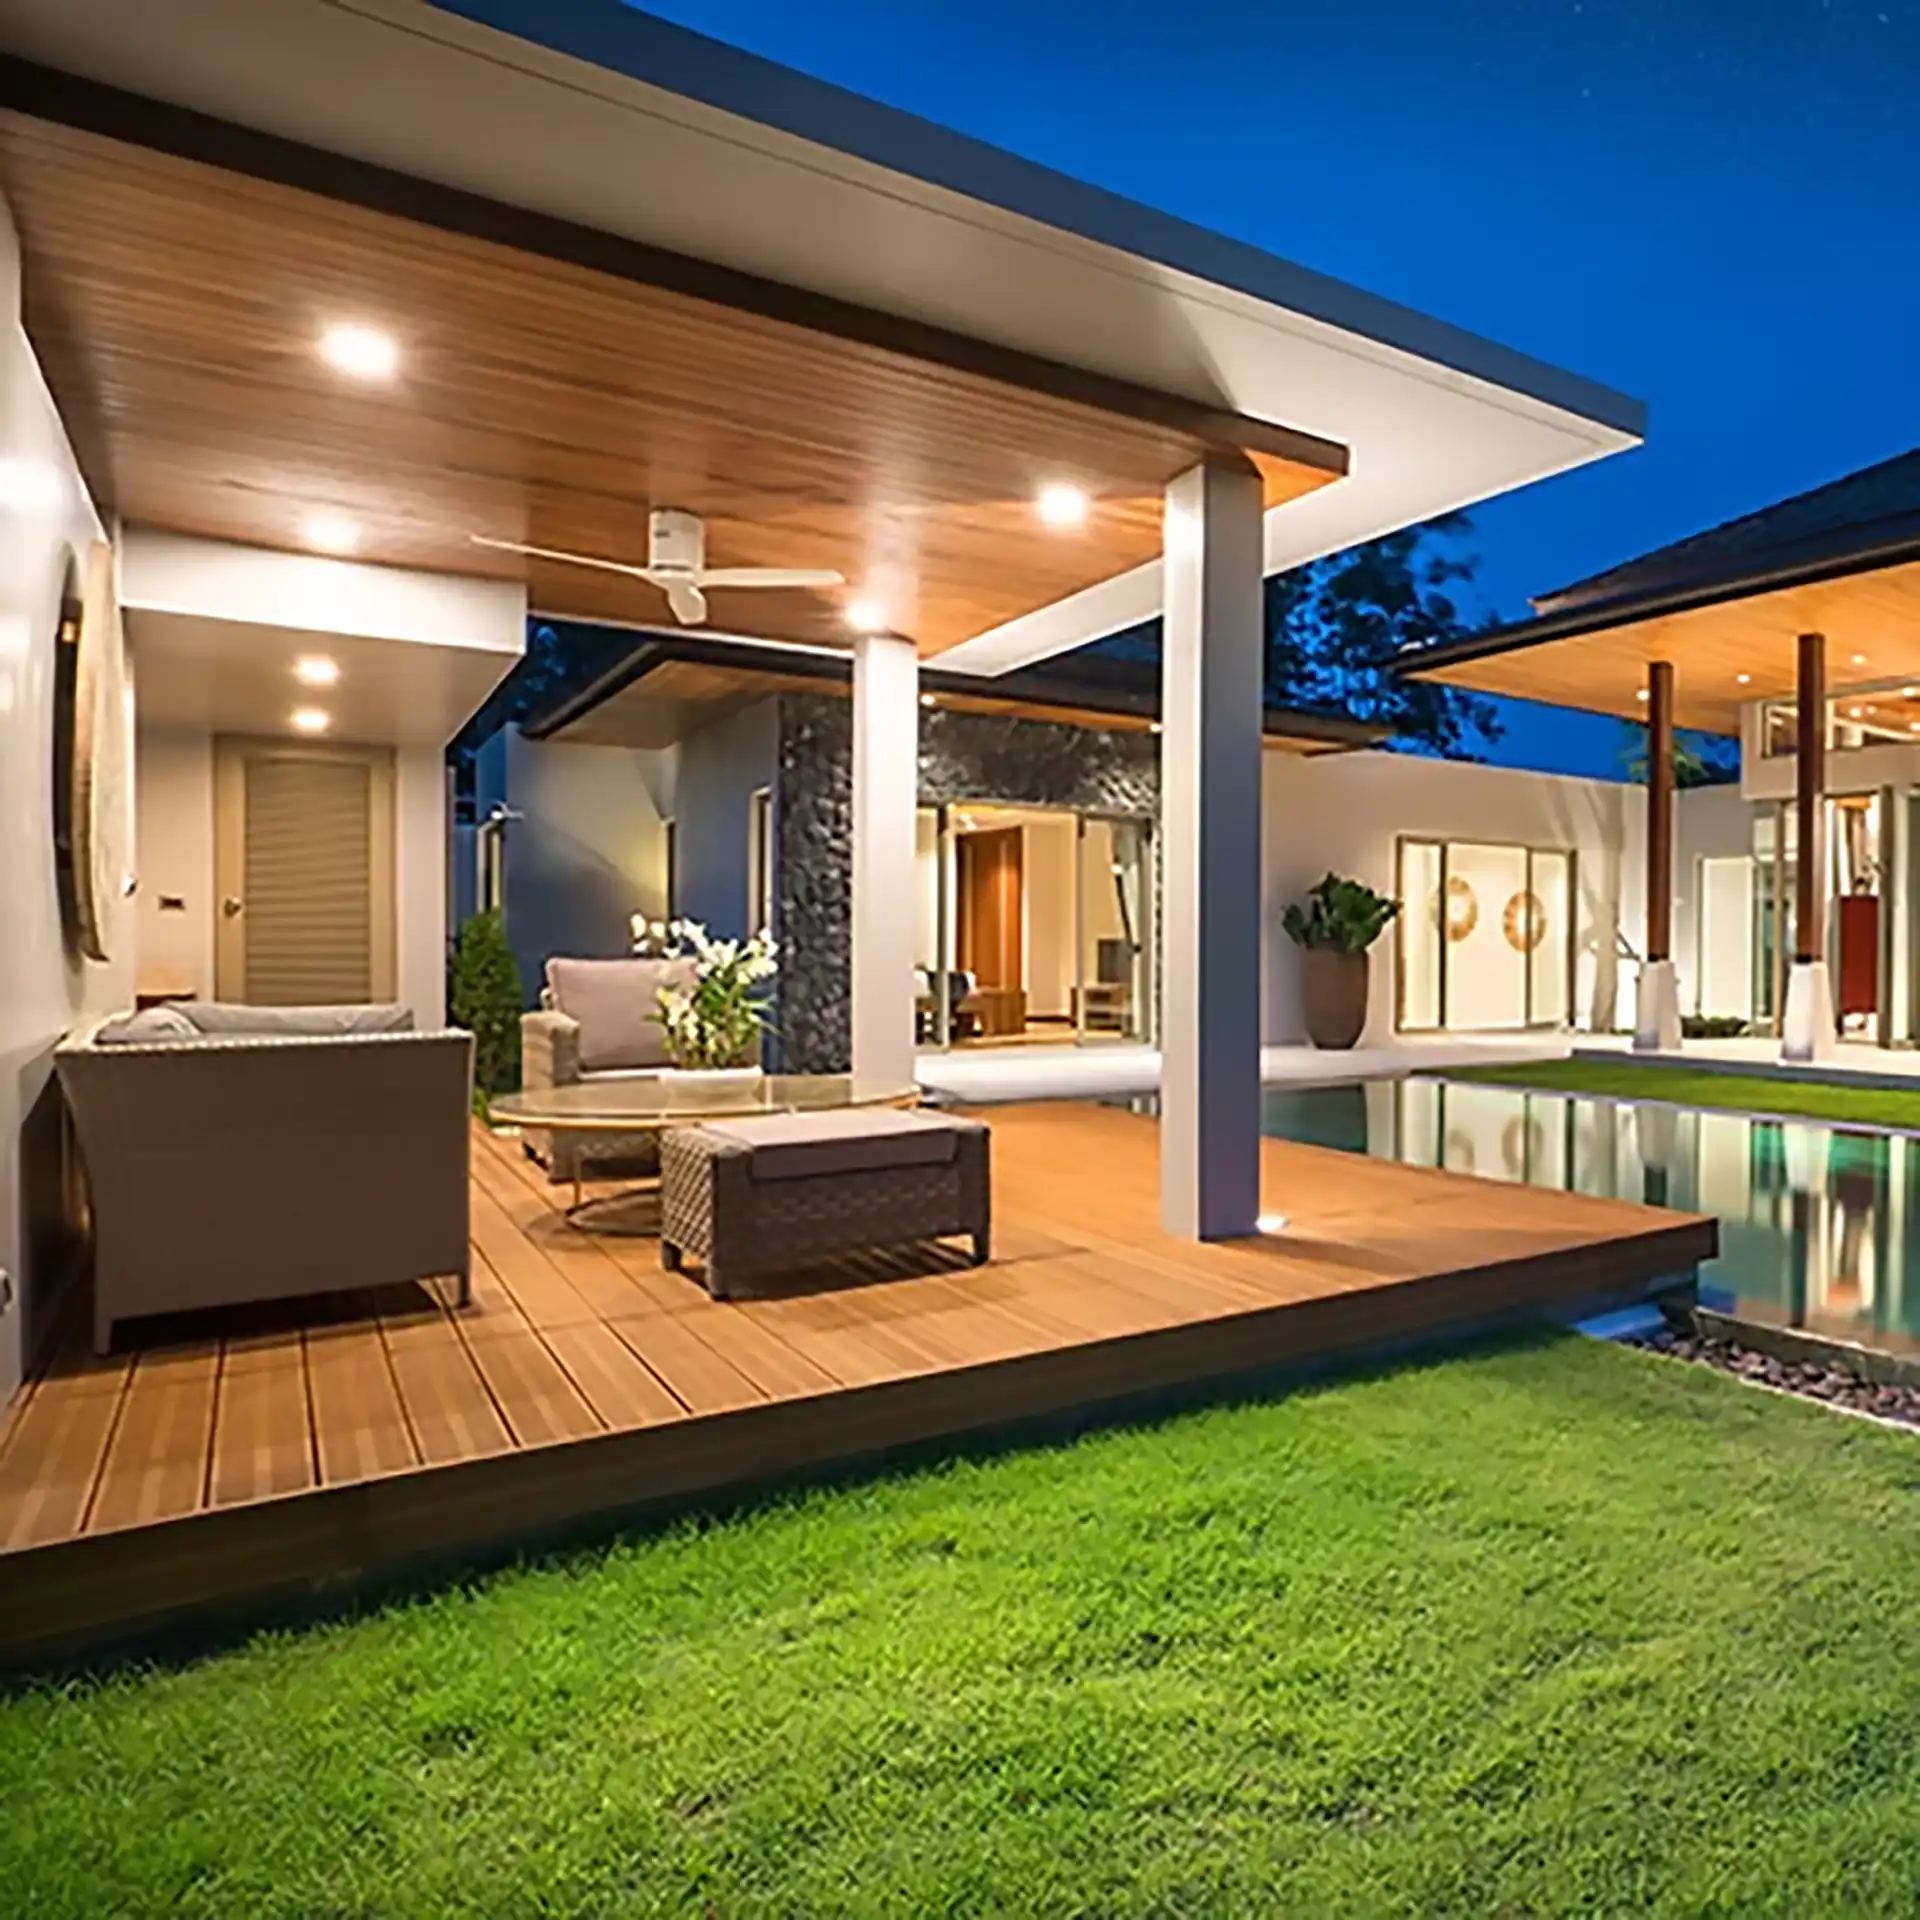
x=1340 y=921
x=713 y=1019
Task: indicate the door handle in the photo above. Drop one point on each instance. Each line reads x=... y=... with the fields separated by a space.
x=232 y=905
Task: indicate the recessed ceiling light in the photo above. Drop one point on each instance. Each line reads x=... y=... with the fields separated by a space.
x=312 y=719
x=1742 y=679
x=1060 y=505
x=364 y=352
x=1641 y=694
x=1859 y=659
x=1854 y=713
x=926 y=699
x=331 y=533
x=316 y=670
x=867 y=616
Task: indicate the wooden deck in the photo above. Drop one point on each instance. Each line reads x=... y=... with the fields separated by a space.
x=237 y=1460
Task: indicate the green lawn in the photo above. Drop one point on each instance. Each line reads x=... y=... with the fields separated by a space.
x=1736 y=1092
x=1547 y=1628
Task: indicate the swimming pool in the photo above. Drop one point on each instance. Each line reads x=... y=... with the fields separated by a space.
x=1819 y=1224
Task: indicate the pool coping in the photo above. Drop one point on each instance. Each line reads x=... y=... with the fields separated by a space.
x=1683 y=1106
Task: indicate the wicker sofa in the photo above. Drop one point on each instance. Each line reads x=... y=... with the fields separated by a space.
x=596 y=1021
x=240 y=1154
x=777 y=1191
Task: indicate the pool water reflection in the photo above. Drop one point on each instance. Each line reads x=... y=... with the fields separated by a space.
x=1815 y=1220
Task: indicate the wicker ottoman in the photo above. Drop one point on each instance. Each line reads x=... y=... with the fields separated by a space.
x=776 y=1191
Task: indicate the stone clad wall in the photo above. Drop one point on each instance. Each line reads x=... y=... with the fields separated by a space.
x=963 y=756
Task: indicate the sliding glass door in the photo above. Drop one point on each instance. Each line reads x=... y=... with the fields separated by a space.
x=1114 y=988
x=1486 y=937
x=1034 y=925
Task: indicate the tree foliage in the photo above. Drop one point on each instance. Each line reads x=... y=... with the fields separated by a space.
x=1338 y=628
x=1699 y=760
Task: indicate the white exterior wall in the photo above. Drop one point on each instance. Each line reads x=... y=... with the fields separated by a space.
x=1710 y=823
x=719 y=770
x=174 y=815
x=421 y=793
x=175 y=906
x=44 y=515
x=588 y=852
x=1347 y=813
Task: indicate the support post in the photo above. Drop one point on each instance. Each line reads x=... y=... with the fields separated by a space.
x=1211 y=667
x=886 y=783
x=1808 y=1030
x=1657 y=1000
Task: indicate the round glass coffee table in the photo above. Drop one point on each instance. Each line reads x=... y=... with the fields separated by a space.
x=609 y=1119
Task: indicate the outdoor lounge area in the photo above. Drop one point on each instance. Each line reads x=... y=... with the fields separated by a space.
x=228 y=1463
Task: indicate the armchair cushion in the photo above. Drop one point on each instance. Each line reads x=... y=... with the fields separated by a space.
x=615 y=1004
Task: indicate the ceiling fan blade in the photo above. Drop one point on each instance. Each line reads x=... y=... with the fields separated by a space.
x=569 y=559
x=771 y=577
x=688 y=603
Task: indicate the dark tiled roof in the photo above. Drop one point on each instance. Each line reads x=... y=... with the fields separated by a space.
x=1877 y=507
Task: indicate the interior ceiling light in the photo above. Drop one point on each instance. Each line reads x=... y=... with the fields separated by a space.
x=316 y=670
x=867 y=616
x=926 y=699
x=311 y=719
x=1859 y=659
x=364 y=352
x=331 y=533
x=1741 y=679
x=1641 y=694
x=1060 y=505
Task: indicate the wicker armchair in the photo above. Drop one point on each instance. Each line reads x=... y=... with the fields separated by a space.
x=756 y=1196
x=596 y=1017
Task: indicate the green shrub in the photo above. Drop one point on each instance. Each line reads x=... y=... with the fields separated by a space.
x=1346 y=915
x=1713 y=1026
x=486 y=999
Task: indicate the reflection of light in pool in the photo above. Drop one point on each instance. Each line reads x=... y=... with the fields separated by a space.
x=1813 y=1219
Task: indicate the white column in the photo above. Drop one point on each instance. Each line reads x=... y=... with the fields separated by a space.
x=1210 y=853
x=886 y=787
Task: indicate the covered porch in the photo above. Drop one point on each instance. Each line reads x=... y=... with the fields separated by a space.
x=227 y=1463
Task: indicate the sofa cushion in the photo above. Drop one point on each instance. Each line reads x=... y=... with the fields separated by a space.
x=229 y=1017
x=150 y=1023
x=616 y=1005
x=801 y=1146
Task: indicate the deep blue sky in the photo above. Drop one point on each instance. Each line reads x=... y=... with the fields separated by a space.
x=1713 y=205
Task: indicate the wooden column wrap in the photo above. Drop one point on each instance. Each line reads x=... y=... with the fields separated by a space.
x=1660 y=810
x=1810 y=783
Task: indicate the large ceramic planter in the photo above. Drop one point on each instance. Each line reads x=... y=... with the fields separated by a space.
x=1333 y=992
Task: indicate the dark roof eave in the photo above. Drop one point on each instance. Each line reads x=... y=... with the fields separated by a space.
x=1631 y=608
x=1127 y=695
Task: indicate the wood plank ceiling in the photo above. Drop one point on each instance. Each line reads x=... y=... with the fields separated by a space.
x=178 y=305
x=1729 y=654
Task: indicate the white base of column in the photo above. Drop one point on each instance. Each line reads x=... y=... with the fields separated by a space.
x=1656 y=1008
x=1809 y=1032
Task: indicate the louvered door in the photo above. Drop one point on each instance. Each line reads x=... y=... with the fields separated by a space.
x=306 y=874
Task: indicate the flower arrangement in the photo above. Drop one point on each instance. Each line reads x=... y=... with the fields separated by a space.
x=715 y=1021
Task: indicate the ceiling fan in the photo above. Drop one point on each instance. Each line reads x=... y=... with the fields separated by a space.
x=677 y=564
